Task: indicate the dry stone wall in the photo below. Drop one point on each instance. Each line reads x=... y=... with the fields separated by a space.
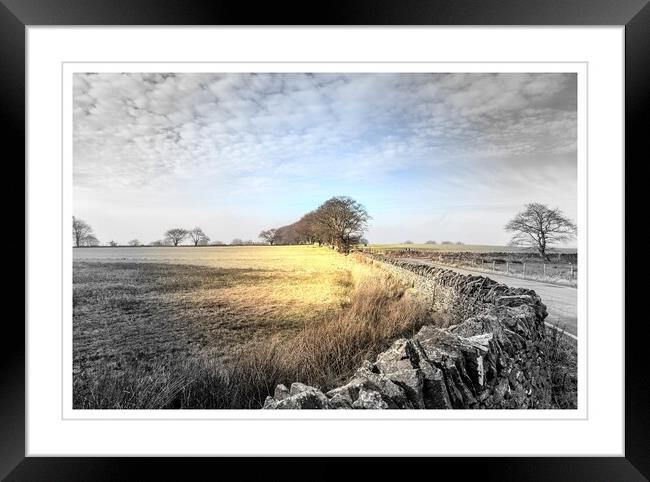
x=493 y=356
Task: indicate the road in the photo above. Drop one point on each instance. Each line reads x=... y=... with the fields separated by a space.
x=561 y=301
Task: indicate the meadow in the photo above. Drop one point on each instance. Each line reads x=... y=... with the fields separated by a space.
x=460 y=248
x=451 y=247
x=220 y=327
x=561 y=265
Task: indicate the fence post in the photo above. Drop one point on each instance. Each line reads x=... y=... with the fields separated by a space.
x=507 y=267
x=571 y=264
x=494 y=265
x=524 y=274
x=544 y=265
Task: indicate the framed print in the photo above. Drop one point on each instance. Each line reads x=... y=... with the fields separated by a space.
x=380 y=221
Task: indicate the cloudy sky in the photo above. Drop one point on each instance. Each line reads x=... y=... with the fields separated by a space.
x=431 y=156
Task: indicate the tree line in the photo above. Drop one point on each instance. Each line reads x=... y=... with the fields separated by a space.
x=340 y=222
x=83 y=236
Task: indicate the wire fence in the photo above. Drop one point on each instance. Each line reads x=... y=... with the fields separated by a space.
x=527 y=269
x=558 y=271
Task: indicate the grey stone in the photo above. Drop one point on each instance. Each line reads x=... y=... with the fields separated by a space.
x=393 y=394
x=338 y=402
x=349 y=391
x=308 y=399
x=396 y=364
x=369 y=400
x=298 y=388
x=281 y=392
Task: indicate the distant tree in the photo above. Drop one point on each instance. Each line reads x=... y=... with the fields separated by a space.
x=113 y=244
x=363 y=241
x=310 y=230
x=81 y=231
x=539 y=227
x=248 y=242
x=460 y=243
x=158 y=242
x=218 y=243
x=269 y=235
x=339 y=222
x=446 y=242
x=135 y=242
x=91 y=240
x=343 y=221
x=307 y=230
x=198 y=236
x=176 y=235
x=430 y=242
x=236 y=242
x=408 y=242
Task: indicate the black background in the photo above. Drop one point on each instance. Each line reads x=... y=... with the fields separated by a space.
x=16 y=14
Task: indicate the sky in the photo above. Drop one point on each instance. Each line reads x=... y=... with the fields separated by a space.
x=444 y=157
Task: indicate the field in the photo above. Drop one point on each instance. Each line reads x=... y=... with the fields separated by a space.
x=458 y=248
x=561 y=265
x=219 y=327
x=474 y=248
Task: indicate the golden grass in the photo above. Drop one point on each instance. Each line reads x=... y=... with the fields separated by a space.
x=222 y=329
x=325 y=354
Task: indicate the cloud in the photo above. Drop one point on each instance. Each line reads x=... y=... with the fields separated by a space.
x=276 y=134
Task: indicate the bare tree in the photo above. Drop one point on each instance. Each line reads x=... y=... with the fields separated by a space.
x=539 y=227
x=309 y=230
x=430 y=242
x=344 y=219
x=198 y=236
x=81 y=231
x=218 y=243
x=408 y=241
x=91 y=240
x=135 y=242
x=176 y=235
x=269 y=235
x=113 y=244
x=236 y=242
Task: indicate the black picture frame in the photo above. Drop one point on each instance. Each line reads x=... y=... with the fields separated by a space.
x=15 y=15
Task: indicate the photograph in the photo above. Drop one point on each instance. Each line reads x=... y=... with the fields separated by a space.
x=324 y=240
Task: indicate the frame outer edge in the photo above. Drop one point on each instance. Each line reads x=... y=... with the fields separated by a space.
x=12 y=70
x=637 y=122
x=12 y=353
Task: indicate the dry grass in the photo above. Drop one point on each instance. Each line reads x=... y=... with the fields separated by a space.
x=213 y=335
x=562 y=353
